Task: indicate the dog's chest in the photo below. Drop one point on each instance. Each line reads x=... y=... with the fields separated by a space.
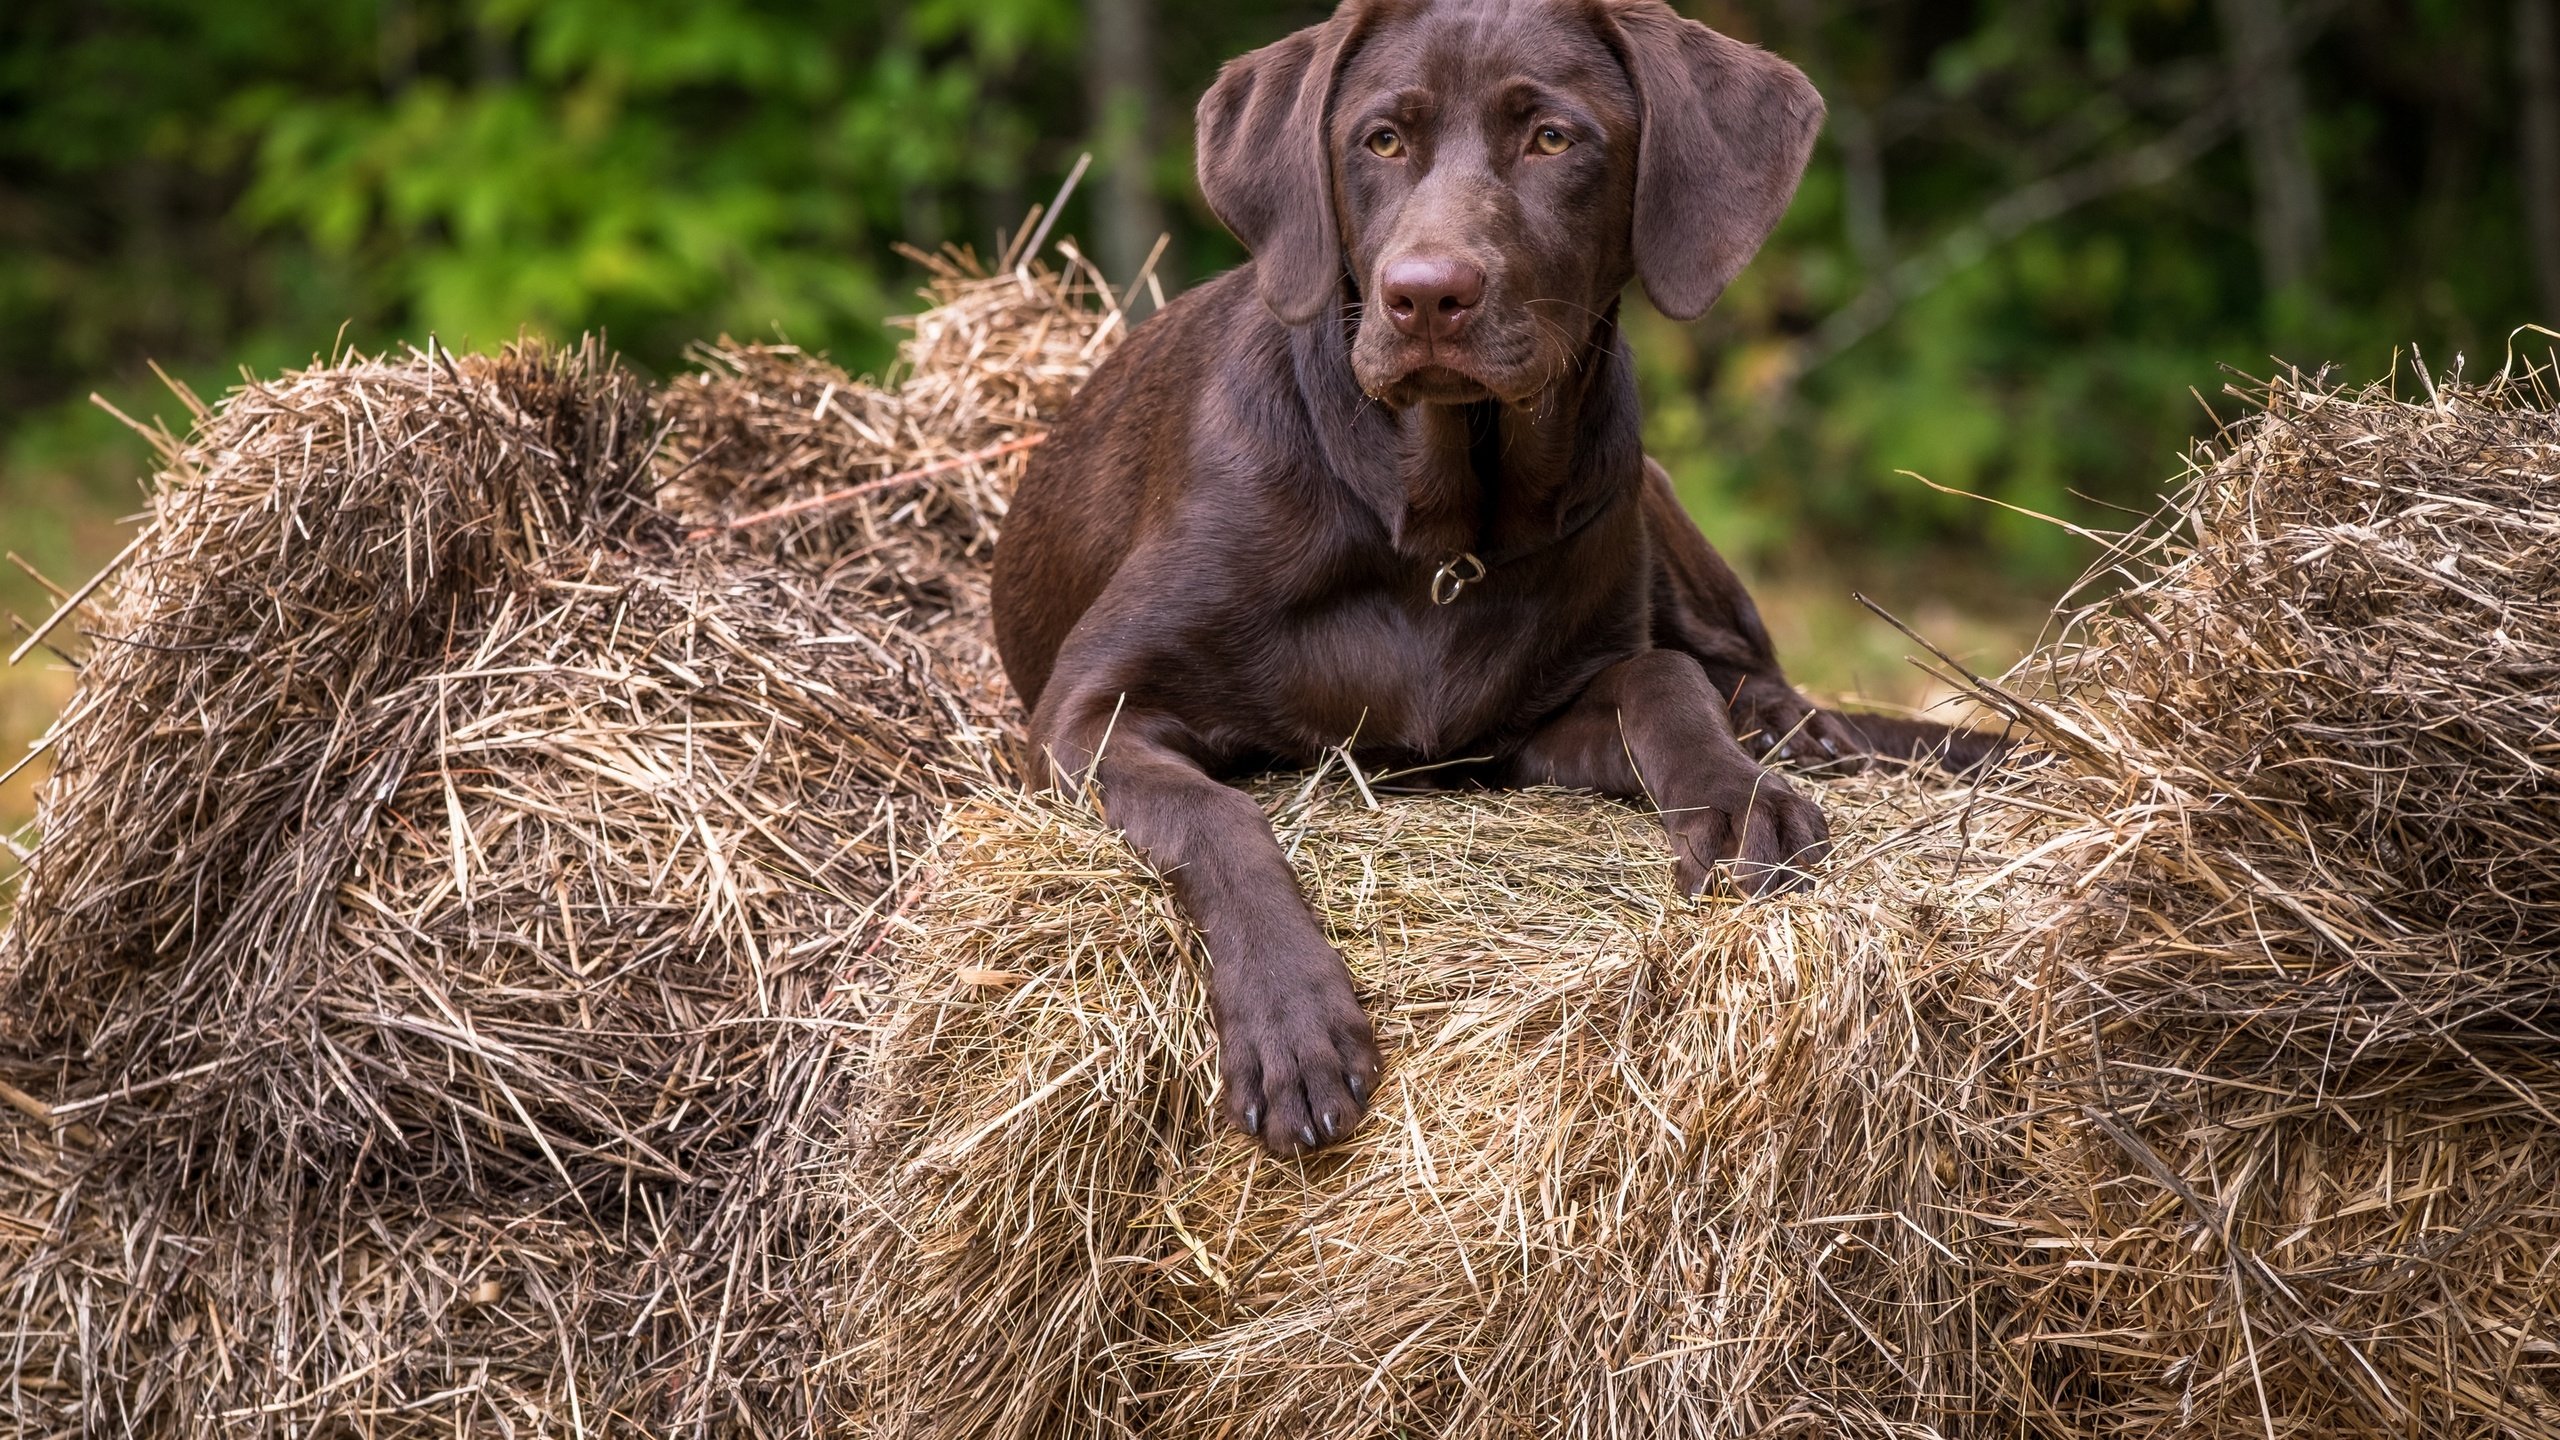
x=1420 y=681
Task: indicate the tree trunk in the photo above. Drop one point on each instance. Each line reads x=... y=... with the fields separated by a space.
x=2286 y=186
x=395 y=44
x=1121 y=89
x=2538 y=133
x=1862 y=203
x=1853 y=130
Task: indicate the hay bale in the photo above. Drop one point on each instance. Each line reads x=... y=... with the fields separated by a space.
x=1576 y=1207
x=462 y=890
x=2063 y=1106
x=2308 y=768
x=2324 y=717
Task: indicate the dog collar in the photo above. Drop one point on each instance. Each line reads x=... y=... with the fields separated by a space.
x=1466 y=568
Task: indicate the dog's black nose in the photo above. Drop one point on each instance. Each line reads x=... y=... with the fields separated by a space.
x=1432 y=298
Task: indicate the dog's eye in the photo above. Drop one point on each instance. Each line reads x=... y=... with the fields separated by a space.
x=1386 y=144
x=1552 y=141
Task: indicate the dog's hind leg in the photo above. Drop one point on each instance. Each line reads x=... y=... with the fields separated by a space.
x=1701 y=609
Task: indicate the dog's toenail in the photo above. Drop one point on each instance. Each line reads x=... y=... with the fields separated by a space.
x=1253 y=1119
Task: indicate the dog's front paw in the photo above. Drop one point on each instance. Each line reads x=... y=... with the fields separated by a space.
x=1295 y=1050
x=1757 y=827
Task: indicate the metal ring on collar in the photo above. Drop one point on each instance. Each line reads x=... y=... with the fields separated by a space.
x=1453 y=577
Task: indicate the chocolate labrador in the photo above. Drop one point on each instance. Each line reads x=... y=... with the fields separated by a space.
x=1382 y=485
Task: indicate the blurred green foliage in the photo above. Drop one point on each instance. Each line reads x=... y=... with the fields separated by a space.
x=2033 y=229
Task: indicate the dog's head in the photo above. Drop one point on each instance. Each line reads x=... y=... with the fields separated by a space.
x=1484 y=176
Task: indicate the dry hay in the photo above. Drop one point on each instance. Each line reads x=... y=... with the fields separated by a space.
x=1546 y=1225
x=2194 y=1077
x=768 y=443
x=2330 y=724
x=462 y=886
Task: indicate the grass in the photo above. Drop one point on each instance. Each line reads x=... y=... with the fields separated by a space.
x=1837 y=649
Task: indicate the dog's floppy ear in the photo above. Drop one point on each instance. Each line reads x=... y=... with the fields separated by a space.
x=1726 y=131
x=1264 y=166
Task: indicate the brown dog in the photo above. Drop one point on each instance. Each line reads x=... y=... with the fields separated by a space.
x=1384 y=481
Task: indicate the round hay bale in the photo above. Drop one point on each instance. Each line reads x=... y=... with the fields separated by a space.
x=2055 y=1109
x=419 y=834
x=2321 y=722
x=1617 y=1132
x=463 y=891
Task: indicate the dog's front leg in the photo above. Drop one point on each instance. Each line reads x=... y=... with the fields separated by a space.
x=1295 y=1051
x=1652 y=728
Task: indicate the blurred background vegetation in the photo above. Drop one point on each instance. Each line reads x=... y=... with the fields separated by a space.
x=2033 y=232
